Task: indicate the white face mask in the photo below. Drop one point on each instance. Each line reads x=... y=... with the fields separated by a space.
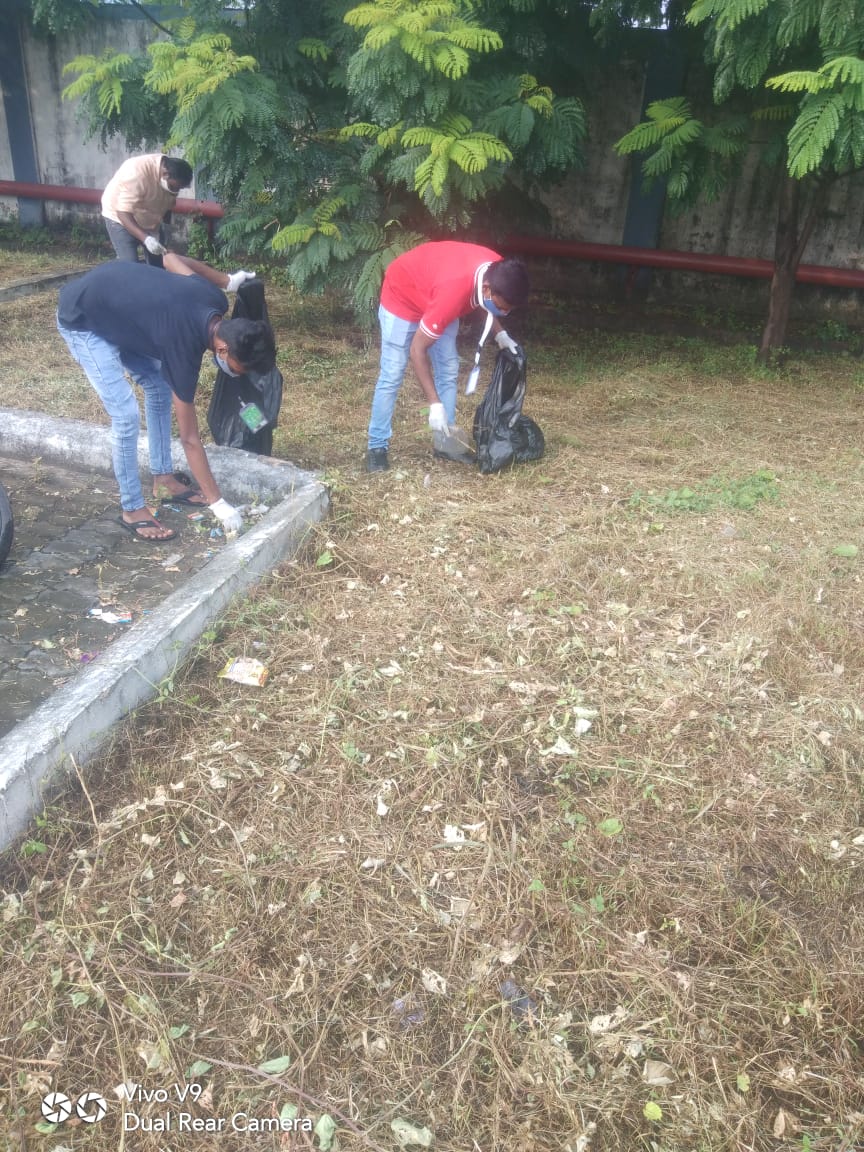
x=163 y=183
x=222 y=363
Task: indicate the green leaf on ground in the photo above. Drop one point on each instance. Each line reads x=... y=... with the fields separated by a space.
x=611 y=827
x=324 y=1130
x=276 y=1065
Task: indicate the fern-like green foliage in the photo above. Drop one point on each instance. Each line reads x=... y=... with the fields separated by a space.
x=811 y=52
x=799 y=82
x=195 y=69
x=333 y=133
x=729 y=14
x=102 y=76
x=813 y=132
x=695 y=158
x=666 y=119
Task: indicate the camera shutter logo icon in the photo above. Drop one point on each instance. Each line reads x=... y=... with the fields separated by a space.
x=56 y=1107
x=91 y=1107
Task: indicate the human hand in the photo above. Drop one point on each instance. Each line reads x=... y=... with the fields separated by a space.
x=505 y=340
x=228 y=515
x=154 y=247
x=236 y=279
x=438 y=419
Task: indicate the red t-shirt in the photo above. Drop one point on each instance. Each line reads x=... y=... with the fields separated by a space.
x=436 y=283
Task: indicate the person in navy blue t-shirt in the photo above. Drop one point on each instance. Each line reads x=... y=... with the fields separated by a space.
x=124 y=320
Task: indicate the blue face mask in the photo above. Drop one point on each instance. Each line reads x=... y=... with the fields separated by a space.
x=490 y=306
x=223 y=364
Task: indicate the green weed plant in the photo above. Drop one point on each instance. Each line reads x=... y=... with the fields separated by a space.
x=742 y=494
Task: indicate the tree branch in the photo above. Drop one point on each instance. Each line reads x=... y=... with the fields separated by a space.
x=151 y=18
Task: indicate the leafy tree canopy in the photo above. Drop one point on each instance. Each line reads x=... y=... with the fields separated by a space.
x=338 y=134
x=788 y=80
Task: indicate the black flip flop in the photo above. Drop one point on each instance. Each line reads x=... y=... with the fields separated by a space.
x=186 y=498
x=148 y=523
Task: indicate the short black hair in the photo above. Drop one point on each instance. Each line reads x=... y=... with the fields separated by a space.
x=509 y=280
x=250 y=343
x=177 y=169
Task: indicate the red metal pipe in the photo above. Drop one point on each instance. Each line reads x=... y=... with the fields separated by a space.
x=681 y=261
x=521 y=245
x=207 y=208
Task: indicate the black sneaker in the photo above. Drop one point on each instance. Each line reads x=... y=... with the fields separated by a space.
x=376 y=460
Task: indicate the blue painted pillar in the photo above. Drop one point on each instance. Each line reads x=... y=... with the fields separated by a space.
x=19 y=123
x=664 y=77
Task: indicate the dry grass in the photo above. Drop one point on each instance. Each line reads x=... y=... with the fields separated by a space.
x=677 y=889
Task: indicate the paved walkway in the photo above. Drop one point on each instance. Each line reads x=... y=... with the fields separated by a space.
x=70 y=559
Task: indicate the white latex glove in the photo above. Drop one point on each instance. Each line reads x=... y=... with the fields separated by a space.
x=230 y=517
x=236 y=279
x=154 y=247
x=438 y=419
x=505 y=340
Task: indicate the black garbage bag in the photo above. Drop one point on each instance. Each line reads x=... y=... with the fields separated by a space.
x=231 y=394
x=502 y=434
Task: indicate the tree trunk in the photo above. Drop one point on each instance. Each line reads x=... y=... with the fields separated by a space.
x=786 y=260
x=789 y=243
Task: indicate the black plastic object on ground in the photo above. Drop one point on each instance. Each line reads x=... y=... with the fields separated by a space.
x=502 y=434
x=232 y=393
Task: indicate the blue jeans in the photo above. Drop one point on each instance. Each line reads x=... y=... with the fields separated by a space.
x=106 y=367
x=396 y=337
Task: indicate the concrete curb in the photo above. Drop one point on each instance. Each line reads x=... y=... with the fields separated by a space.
x=65 y=732
x=242 y=476
x=28 y=287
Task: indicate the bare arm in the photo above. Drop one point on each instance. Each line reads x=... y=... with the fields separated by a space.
x=186 y=266
x=199 y=465
x=419 y=356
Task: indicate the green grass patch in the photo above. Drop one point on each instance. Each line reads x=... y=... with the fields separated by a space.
x=741 y=493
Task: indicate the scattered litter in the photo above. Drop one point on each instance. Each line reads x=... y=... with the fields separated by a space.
x=657 y=1073
x=408 y=1135
x=195 y=516
x=121 y=616
x=559 y=748
x=600 y=1025
x=171 y=560
x=88 y=657
x=510 y=952
x=407 y=1013
x=384 y=792
x=244 y=670
x=433 y=982
x=522 y=1006
x=215 y=533
x=258 y=509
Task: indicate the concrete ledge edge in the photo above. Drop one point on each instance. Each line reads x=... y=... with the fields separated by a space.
x=73 y=725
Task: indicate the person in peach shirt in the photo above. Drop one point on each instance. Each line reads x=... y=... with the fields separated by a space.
x=137 y=200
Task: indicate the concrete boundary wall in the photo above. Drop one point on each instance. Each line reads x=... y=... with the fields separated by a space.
x=592 y=205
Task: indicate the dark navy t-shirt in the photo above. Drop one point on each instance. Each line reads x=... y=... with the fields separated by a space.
x=148 y=311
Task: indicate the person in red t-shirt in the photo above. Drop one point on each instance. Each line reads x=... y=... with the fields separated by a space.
x=425 y=292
